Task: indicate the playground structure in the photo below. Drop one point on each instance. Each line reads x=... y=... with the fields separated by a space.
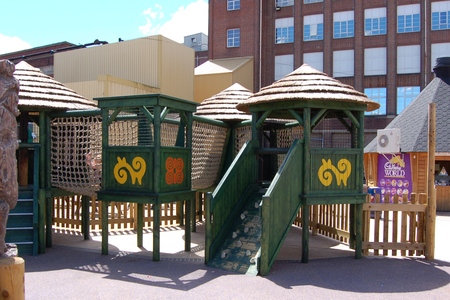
x=290 y=141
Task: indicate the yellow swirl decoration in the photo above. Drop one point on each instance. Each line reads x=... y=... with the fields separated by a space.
x=137 y=170
x=342 y=172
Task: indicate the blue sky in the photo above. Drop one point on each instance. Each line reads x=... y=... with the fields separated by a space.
x=34 y=23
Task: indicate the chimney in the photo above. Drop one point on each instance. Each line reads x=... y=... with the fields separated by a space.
x=442 y=68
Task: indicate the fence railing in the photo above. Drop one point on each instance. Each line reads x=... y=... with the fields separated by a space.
x=396 y=228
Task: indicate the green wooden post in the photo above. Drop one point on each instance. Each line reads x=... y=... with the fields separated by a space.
x=265 y=236
x=359 y=207
x=43 y=175
x=187 y=227
x=140 y=224
x=105 y=205
x=85 y=200
x=306 y=182
x=156 y=230
x=208 y=226
x=156 y=183
x=41 y=227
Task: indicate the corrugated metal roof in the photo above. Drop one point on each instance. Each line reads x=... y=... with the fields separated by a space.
x=305 y=84
x=413 y=120
x=218 y=66
x=222 y=106
x=39 y=91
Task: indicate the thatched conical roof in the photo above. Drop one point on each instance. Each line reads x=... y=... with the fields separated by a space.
x=41 y=92
x=305 y=84
x=222 y=106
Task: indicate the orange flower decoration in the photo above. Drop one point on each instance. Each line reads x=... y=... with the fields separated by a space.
x=174 y=170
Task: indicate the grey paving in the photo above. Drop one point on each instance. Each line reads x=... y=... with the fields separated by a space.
x=75 y=269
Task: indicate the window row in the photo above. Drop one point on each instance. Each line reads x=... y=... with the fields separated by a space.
x=375 y=61
x=375 y=22
x=236 y=4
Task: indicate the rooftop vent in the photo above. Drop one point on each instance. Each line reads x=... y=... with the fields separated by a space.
x=442 y=68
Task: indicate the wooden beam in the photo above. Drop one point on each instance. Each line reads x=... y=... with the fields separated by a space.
x=114 y=115
x=394 y=207
x=263 y=117
x=393 y=246
x=352 y=118
x=431 y=207
x=297 y=117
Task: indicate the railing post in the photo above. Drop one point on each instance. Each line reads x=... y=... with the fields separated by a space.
x=208 y=226
x=431 y=207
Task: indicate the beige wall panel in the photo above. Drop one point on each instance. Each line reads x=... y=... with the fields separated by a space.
x=135 y=60
x=244 y=76
x=87 y=89
x=153 y=61
x=206 y=86
x=177 y=72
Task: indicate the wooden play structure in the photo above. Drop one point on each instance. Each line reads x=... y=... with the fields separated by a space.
x=140 y=168
x=146 y=161
x=248 y=219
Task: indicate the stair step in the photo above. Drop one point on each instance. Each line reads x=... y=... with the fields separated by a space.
x=240 y=251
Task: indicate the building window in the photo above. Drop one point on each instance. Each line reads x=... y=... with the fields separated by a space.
x=440 y=15
x=408 y=59
x=374 y=61
x=439 y=50
x=343 y=63
x=377 y=95
x=406 y=95
x=233 y=37
x=233 y=4
x=283 y=3
x=408 y=18
x=375 y=21
x=284 y=64
x=344 y=24
x=314 y=59
x=313 y=28
x=284 y=30
x=312 y=1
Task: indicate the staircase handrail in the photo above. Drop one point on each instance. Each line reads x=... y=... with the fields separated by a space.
x=225 y=202
x=280 y=205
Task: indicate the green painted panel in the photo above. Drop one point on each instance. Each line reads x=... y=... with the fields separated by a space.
x=175 y=169
x=128 y=169
x=335 y=170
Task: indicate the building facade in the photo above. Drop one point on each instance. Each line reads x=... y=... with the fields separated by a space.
x=384 y=48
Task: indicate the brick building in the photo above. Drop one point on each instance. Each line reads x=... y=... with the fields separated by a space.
x=383 y=48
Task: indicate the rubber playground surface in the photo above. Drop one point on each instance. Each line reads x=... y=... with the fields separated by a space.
x=74 y=268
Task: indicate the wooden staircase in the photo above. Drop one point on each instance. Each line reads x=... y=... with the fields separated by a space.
x=241 y=250
x=21 y=228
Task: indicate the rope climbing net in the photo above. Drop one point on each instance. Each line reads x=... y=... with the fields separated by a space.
x=76 y=150
x=76 y=154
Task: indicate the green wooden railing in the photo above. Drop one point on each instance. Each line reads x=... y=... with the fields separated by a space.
x=224 y=204
x=280 y=206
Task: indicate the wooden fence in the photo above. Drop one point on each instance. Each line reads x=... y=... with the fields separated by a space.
x=67 y=214
x=396 y=228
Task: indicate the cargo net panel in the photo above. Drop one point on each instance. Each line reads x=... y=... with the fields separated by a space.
x=132 y=128
x=241 y=136
x=76 y=148
x=331 y=133
x=208 y=146
x=285 y=139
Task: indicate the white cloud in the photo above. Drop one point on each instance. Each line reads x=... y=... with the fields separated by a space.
x=12 y=44
x=185 y=21
x=153 y=15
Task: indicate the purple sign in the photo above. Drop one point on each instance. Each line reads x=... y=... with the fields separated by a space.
x=394 y=175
